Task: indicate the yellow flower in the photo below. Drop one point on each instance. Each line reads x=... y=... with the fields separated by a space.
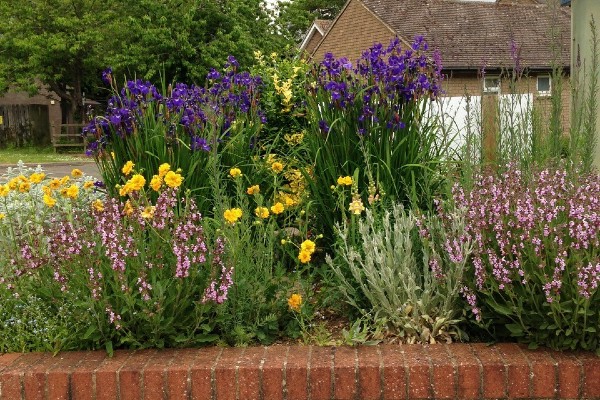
x=22 y=178
x=127 y=168
x=273 y=55
x=156 y=182
x=289 y=201
x=98 y=205
x=37 y=177
x=136 y=182
x=64 y=180
x=72 y=192
x=277 y=167
x=128 y=209
x=4 y=190
x=49 y=200
x=112 y=155
x=232 y=215
x=24 y=187
x=88 y=185
x=125 y=189
x=304 y=257
x=344 y=181
x=2 y=216
x=235 y=172
x=148 y=212
x=356 y=207
x=13 y=183
x=76 y=173
x=173 y=179
x=163 y=169
x=47 y=190
x=277 y=208
x=308 y=246
x=55 y=183
x=252 y=190
x=295 y=302
x=262 y=212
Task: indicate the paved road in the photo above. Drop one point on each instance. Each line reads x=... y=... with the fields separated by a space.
x=60 y=169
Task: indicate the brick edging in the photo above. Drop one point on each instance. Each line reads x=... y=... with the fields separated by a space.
x=455 y=371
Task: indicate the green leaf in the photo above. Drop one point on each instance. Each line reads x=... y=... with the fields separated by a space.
x=109 y=348
x=516 y=330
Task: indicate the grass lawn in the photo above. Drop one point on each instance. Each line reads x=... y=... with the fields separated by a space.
x=39 y=155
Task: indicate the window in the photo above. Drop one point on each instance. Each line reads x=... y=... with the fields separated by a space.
x=544 y=85
x=491 y=84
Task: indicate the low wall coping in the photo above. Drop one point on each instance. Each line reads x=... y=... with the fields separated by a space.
x=440 y=371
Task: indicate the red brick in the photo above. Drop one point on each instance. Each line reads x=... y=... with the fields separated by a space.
x=443 y=373
x=468 y=370
x=154 y=375
x=34 y=379
x=107 y=385
x=591 y=374
x=543 y=373
x=369 y=373
x=417 y=365
x=11 y=379
x=394 y=372
x=201 y=372
x=130 y=374
x=320 y=372
x=345 y=383
x=518 y=376
x=7 y=359
x=82 y=379
x=249 y=373
x=60 y=372
x=493 y=370
x=296 y=373
x=570 y=374
x=178 y=374
x=226 y=373
x=272 y=372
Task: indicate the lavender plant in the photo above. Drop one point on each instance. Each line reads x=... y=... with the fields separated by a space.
x=535 y=267
x=369 y=118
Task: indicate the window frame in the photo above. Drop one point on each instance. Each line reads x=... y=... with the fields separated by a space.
x=492 y=89
x=537 y=85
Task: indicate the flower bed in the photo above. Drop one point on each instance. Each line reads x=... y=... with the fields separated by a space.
x=261 y=206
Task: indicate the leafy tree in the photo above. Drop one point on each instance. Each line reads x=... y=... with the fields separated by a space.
x=55 y=42
x=296 y=16
x=65 y=44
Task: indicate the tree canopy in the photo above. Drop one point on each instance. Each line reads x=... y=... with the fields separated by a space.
x=65 y=44
x=296 y=16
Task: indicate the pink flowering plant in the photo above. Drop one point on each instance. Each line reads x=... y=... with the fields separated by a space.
x=139 y=274
x=535 y=266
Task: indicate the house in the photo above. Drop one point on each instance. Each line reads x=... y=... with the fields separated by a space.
x=483 y=44
x=314 y=35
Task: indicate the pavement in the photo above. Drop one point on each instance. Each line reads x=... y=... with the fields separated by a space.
x=60 y=169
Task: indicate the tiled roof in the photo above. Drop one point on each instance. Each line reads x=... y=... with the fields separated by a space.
x=478 y=34
x=323 y=24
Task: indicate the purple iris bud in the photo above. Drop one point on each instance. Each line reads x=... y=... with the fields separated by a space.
x=323 y=126
x=107 y=76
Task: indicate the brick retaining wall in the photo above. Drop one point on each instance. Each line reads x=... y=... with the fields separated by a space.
x=457 y=371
